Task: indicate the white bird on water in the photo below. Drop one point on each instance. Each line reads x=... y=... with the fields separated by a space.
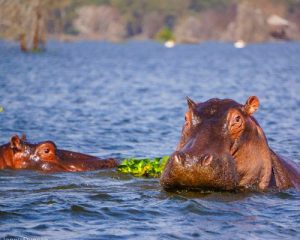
x=240 y=44
x=169 y=44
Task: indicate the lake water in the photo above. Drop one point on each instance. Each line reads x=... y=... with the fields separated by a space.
x=128 y=100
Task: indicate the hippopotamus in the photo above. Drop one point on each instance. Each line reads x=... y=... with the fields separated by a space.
x=15 y=154
x=46 y=157
x=222 y=147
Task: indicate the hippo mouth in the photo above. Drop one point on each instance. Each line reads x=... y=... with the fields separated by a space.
x=206 y=172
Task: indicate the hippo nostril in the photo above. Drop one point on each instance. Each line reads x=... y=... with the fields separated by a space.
x=206 y=159
x=178 y=157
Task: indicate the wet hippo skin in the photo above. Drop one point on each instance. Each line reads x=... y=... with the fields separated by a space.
x=45 y=156
x=15 y=154
x=223 y=147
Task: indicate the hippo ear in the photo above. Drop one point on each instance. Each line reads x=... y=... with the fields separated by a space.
x=192 y=105
x=16 y=143
x=251 y=105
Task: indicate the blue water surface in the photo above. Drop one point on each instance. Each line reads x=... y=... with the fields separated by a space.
x=125 y=100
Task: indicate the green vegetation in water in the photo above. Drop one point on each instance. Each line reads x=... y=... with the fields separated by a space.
x=145 y=167
x=1 y=109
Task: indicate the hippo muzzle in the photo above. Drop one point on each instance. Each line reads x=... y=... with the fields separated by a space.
x=206 y=171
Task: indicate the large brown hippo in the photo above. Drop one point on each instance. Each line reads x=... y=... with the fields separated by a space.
x=223 y=147
x=44 y=156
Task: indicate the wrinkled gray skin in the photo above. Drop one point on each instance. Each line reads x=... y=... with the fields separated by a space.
x=223 y=147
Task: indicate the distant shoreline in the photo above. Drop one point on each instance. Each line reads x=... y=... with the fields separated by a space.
x=80 y=39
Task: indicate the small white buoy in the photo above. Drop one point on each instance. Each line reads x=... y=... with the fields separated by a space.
x=169 y=44
x=239 y=44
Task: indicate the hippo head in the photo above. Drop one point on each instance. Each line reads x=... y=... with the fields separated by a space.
x=45 y=152
x=21 y=152
x=49 y=158
x=221 y=147
x=40 y=156
x=46 y=157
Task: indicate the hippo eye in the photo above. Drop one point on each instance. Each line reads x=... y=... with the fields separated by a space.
x=237 y=119
x=46 y=150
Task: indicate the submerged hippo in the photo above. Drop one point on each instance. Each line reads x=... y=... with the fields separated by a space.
x=15 y=154
x=44 y=156
x=223 y=147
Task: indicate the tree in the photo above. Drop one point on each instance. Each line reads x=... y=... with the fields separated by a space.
x=25 y=21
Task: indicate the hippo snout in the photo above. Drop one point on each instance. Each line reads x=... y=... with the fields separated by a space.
x=205 y=171
x=186 y=160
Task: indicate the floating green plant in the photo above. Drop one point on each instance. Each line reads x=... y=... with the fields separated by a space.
x=145 y=167
x=1 y=109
